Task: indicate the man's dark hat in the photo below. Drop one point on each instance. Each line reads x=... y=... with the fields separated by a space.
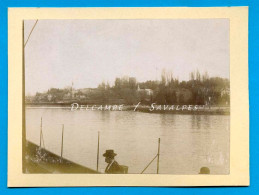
x=109 y=153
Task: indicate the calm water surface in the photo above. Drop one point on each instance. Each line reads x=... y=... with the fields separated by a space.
x=188 y=142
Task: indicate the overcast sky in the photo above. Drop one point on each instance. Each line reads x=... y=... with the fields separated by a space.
x=87 y=52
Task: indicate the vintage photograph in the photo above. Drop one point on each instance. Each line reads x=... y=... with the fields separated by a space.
x=126 y=96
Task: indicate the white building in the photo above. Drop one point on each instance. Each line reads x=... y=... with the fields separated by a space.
x=148 y=92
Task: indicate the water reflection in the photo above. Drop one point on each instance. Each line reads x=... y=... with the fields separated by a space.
x=188 y=142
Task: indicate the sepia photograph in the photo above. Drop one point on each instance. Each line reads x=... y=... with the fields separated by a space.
x=127 y=96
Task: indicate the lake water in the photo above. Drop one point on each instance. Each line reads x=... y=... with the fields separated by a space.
x=188 y=142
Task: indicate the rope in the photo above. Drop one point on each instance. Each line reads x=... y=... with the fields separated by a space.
x=30 y=32
x=149 y=164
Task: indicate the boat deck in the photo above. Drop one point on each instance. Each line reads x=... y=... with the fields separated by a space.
x=40 y=160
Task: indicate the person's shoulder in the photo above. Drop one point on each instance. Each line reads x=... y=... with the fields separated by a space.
x=115 y=163
x=116 y=167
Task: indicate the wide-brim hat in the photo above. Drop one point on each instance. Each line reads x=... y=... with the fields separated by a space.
x=109 y=153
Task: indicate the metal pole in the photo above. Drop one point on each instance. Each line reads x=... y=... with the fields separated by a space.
x=62 y=141
x=158 y=154
x=98 y=150
x=40 y=130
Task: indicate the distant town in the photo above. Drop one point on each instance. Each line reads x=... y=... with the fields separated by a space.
x=200 y=89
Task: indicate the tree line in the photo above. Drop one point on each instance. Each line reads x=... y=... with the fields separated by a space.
x=200 y=89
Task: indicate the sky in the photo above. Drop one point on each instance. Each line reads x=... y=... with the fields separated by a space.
x=88 y=52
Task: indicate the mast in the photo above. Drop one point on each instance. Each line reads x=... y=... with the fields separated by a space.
x=23 y=96
x=23 y=105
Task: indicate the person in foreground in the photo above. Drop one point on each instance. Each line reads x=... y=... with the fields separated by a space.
x=113 y=167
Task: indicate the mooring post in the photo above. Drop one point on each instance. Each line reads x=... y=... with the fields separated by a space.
x=98 y=150
x=62 y=141
x=158 y=154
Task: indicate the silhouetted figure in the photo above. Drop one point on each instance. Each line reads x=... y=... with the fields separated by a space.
x=204 y=170
x=112 y=167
